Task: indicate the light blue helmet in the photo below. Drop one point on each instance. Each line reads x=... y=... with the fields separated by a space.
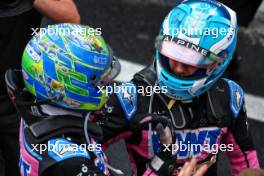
x=200 y=33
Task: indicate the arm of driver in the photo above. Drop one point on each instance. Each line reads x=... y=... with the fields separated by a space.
x=58 y=10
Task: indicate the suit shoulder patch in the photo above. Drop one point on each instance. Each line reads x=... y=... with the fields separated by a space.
x=127 y=96
x=236 y=97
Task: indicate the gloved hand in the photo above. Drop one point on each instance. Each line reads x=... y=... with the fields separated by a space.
x=142 y=120
x=163 y=162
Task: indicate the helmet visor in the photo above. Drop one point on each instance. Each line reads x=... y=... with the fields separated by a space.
x=184 y=55
x=111 y=73
x=186 y=52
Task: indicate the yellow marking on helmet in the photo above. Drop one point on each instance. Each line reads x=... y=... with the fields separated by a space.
x=170 y=104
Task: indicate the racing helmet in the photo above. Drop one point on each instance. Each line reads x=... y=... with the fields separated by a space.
x=200 y=33
x=65 y=64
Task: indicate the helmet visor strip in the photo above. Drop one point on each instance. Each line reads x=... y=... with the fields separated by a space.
x=186 y=52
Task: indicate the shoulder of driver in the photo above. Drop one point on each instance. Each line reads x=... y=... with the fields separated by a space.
x=129 y=98
x=229 y=94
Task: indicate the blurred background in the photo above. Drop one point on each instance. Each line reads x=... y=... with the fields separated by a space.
x=130 y=27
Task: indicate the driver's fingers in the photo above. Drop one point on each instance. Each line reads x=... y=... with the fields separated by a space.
x=188 y=168
x=191 y=166
x=201 y=171
x=182 y=172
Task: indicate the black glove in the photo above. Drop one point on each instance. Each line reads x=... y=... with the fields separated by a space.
x=142 y=121
x=163 y=163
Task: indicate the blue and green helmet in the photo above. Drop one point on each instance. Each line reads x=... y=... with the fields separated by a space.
x=66 y=63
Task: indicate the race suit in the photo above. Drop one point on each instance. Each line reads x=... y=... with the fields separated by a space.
x=44 y=152
x=52 y=140
x=216 y=117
